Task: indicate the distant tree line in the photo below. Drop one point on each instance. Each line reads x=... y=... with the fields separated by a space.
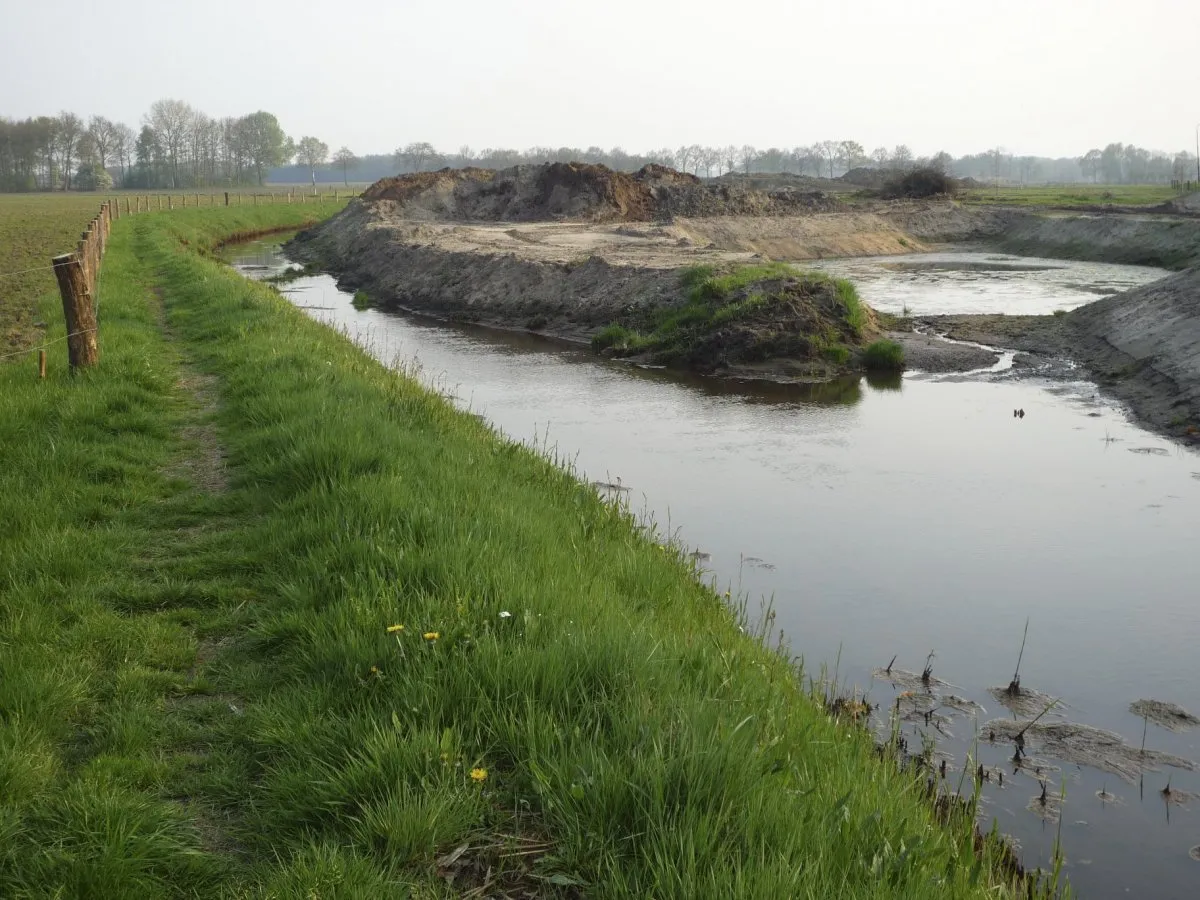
x=1115 y=164
x=176 y=146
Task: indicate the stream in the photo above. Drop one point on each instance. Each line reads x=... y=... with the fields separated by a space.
x=899 y=517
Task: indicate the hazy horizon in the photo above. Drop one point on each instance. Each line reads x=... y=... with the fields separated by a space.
x=1036 y=78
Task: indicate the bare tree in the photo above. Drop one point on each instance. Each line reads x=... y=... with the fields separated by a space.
x=415 y=155
x=851 y=154
x=101 y=134
x=345 y=160
x=171 y=120
x=902 y=157
x=70 y=127
x=311 y=152
x=749 y=155
x=880 y=157
x=122 y=146
x=829 y=153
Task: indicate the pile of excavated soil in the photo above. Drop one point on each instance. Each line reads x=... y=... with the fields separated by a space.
x=519 y=194
x=583 y=192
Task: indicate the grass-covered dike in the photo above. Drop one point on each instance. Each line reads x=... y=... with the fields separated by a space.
x=279 y=622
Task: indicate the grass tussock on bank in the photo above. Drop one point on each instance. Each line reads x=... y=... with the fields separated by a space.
x=280 y=622
x=746 y=314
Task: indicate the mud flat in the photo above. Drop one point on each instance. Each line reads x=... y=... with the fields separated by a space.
x=1142 y=346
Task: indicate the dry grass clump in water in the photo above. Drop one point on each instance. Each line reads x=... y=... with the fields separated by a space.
x=1165 y=715
x=1025 y=704
x=1047 y=805
x=1084 y=745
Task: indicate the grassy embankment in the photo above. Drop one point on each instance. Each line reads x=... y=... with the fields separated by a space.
x=208 y=546
x=748 y=313
x=1073 y=195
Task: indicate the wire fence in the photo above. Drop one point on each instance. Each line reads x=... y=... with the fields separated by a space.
x=78 y=272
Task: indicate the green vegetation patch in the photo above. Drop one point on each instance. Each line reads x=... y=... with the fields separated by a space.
x=1074 y=195
x=883 y=356
x=744 y=314
x=280 y=622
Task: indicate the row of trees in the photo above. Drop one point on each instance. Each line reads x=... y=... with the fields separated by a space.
x=1115 y=164
x=176 y=146
x=824 y=158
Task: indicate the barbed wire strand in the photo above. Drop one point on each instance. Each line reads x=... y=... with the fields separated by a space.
x=26 y=271
x=48 y=343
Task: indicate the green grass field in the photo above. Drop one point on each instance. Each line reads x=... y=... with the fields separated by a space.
x=33 y=229
x=36 y=227
x=279 y=622
x=1074 y=195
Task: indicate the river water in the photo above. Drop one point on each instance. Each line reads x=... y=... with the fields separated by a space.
x=901 y=518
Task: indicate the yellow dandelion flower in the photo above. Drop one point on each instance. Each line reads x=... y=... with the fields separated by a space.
x=431 y=635
x=479 y=775
x=395 y=629
x=374 y=670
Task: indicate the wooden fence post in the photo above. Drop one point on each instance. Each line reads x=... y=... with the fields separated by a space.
x=227 y=198
x=160 y=202
x=41 y=364
x=78 y=310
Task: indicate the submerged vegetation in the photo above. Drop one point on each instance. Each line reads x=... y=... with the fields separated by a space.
x=279 y=621
x=746 y=314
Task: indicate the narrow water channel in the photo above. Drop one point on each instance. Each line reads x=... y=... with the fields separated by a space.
x=896 y=519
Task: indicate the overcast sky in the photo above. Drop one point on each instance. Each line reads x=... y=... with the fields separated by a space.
x=1046 y=77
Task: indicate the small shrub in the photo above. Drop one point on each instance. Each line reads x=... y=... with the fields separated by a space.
x=361 y=300
x=1059 y=313
x=536 y=323
x=883 y=356
x=611 y=336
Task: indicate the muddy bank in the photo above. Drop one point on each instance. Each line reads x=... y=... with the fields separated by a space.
x=1142 y=346
x=1169 y=242
x=572 y=279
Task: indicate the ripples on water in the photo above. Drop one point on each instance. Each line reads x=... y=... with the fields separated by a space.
x=898 y=516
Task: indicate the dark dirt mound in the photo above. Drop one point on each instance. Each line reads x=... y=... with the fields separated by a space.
x=578 y=191
x=581 y=192
x=653 y=175
x=799 y=320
